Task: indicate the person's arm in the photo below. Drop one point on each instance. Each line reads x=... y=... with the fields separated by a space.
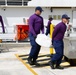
x=31 y=25
x=42 y=28
x=48 y=25
x=56 y=30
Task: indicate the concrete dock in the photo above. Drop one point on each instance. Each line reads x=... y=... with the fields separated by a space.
x=14 y=62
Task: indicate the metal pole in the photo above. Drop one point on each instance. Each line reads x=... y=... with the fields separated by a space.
x=51 y=32
x=22 y=2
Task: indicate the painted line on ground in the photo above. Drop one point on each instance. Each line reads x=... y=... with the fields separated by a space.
x=26 y=65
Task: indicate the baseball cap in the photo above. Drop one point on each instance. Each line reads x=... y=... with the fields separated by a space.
x=39 y=8
x=65 y=16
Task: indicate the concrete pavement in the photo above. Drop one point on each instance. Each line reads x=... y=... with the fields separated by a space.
x=11 y=65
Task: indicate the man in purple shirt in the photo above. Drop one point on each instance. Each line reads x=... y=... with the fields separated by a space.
x=35 y=26
x=57 y=41
x=48 y=26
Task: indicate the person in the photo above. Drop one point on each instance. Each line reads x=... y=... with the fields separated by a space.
x=35 y=26
x=1 y=20
x=57 y=42
x=48 y=26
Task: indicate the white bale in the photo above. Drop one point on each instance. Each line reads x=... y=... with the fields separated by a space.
x=43 y=40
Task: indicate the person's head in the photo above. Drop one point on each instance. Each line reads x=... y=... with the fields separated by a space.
x=65 y=18
x=38 y=10
x=50 y=18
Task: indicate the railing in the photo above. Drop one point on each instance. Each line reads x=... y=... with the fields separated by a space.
x=14 y=2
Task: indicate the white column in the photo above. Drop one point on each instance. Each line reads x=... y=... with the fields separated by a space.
x=6 y=2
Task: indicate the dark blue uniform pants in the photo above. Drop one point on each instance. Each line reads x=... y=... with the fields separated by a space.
x=59 y=47
x=47 y=30
x=35 y=47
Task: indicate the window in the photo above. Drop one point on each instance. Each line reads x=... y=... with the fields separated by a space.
x=14 y=2
x=59 y=17
x=2 y=2
x=55 y=17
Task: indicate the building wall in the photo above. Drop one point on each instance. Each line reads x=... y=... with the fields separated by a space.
x=14 y=15
x=56 y=12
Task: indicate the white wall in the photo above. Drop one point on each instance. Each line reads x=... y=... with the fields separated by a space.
x=53 y=3
x=14 y=15
x=56 y=11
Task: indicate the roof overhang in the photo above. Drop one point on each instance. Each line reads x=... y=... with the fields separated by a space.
x=53 y=3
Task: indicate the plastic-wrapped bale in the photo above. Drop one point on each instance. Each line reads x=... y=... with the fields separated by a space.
x=43 y=40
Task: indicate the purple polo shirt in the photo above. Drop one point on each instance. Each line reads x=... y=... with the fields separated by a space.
x=59 y=31
x=36 y=24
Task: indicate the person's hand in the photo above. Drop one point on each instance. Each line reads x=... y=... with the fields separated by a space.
x=35 y=36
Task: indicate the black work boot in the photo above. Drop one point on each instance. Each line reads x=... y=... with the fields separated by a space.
x=59 y=67
x=30 y=60
x=35 y=63
x=52 y=65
